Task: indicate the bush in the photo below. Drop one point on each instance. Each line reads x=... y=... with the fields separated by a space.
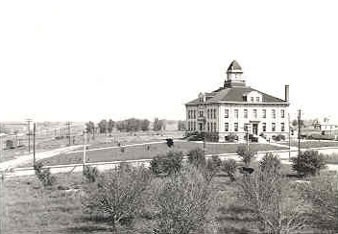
x=229 y=167
x=90 y=173
x=167 y=164
x=309 y=162
x=245 y=154
x=116 y=196
x=231 y=137
x=275 y=205
x=322 y=193
x=316 y=136
x=196 y=136
x=182 y=203
x=44 y=175
x=279 y=137
x=196 y=157
x=270 y=162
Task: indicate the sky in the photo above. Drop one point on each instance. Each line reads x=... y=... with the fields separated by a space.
x=90 y=60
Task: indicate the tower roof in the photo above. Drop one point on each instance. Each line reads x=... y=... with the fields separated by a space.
x=234 y=66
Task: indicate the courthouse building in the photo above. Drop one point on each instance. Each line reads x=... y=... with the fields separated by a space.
x=236 y=109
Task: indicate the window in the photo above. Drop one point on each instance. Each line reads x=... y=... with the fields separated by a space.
x=282 y=127
x=226 y=127
x=245 y=113
x=226 y=113
x=273 y=128
x=255 y=113
x=208 y=127
x=200 y=113
x=214 y=113
x=257 y=99
x=282 y=113
x=252 y=99
x=246 y=127
x=273 y=114
x=208 y=113
x=214 y=127
x=236 y=113
x=264 y=113
x=236 y=127
x=264 y=127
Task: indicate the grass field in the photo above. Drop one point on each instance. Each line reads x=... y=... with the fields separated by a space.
x=313 y=144
x=29 y=208
x=141 y=152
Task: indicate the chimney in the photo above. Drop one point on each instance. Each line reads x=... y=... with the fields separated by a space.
x=286 y=93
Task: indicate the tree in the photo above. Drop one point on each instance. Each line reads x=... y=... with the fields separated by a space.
x=145 y=125
x=309 y=162
x=245 y=154
x=159 y=124
x=103 y=126
x=271 y=162
x=322 y=194
x=196 y=157
x=168 y=164
x=182 y=203
x=229 y=167
x=111 y=125
x=90 y=127
x=268 y=195
x=117 y=195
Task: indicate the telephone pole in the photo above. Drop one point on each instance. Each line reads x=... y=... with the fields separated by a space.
x=299 y=131
x=289 y=136
x=84 y=148
x=29 y=134
x=68 y=125
x=34 y=148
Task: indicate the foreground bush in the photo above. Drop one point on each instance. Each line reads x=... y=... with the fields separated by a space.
x=246 y=154
x=90 y=173
x=270 y=162
x=182 y=203
x=168 y=164
x=276 y=206
x=44 y=175
x=116 y=195
x=322 y=193
x=196 y=157
x=229 y=167
x=308 y=163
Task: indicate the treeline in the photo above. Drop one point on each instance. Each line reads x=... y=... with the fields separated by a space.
x=129 y=125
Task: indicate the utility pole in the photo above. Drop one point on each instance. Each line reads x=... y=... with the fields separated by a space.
x=34 y=148
x=68 y=125
x=84 y=148
x=289 y=136
x=299 y=131
x=29 y=134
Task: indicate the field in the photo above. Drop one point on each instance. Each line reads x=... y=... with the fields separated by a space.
x=30 y=208
x=313 y=144
x=142 y=152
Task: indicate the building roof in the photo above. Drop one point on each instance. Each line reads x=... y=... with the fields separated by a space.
x=235 y=94
x=234 y=65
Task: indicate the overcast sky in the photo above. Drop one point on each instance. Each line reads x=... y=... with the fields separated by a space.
x=88 y=60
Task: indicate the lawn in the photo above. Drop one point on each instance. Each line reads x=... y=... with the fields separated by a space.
x=142 y=152
x=312 y=144
x=30 y=208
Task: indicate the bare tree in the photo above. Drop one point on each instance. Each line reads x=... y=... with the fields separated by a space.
x=182 y=203
x=116 y=195
x=275 y=204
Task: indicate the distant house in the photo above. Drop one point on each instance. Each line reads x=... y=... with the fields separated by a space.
x=327 y=127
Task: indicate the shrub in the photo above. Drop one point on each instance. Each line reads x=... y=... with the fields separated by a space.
x=309 y=162
x=167 y=164
x=231 y=137
x=44 y=175
x=196 y=157
x=245 y=154
x=316 y=136
x=279 y=137
x=274 y=203
x=270 y=162
x=229 y=167
x=90 y=173
x=322 y=193
x=116 y=196
x=182 y=203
